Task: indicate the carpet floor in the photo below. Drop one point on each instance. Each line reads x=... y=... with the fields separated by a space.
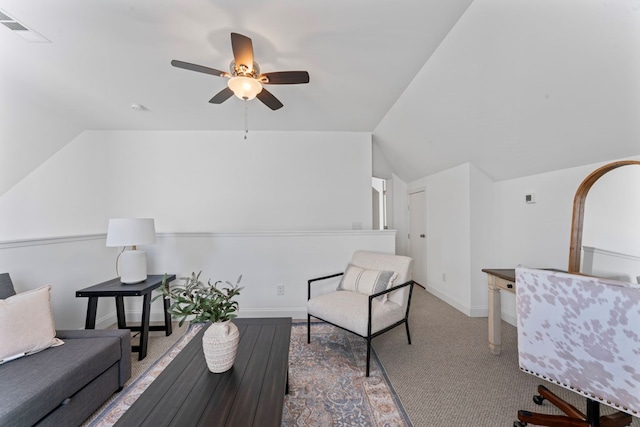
x=448 y=376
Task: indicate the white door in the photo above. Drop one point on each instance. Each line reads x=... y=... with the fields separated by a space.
x=417 y=236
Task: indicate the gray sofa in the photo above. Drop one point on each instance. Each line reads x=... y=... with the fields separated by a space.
x=63 y=386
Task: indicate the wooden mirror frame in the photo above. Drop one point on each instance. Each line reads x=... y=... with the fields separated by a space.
x=578 y=210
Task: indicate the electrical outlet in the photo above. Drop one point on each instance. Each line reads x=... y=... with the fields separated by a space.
x=280 y=289
x=444 y=277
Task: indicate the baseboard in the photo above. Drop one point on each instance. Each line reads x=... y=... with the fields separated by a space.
x=510 y=318
x=453 y=303
x=507 y=316
x=132 y=317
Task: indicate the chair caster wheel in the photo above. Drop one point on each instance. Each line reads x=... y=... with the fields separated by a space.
x=537 y=399
x=519 y=424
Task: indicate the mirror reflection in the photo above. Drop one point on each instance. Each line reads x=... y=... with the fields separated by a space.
x=611 y=227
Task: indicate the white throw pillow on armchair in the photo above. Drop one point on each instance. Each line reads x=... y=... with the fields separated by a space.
x=26 y=324
x=366 y=281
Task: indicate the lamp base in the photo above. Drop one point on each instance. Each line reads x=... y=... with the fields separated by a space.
x=132 y=266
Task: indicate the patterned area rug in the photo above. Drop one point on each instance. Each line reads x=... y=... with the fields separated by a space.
x=328 y=386
x=327 y=383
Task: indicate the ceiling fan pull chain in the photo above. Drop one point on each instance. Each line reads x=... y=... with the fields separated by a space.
x=246 y=119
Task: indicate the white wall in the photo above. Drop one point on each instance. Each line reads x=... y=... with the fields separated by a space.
x=448 y=235
x=614 y=200
x=67 y=195
x=399 y=214
x=67 y=264
x=475 y=223
x=31 y=131
x=214 y=186
x=537 y=235
x=195 y=181
x=264 y=259
x=482 y=238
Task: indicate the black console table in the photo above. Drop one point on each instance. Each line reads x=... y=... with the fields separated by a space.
x=119 y=290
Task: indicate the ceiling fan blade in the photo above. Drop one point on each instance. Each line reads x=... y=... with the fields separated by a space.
x=242 y=47
x=199 y=68
x=285 y=77
x=221 y=96
x=269 y=100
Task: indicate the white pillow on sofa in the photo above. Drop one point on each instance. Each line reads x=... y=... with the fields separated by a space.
x=26 y=324
x=366 y=281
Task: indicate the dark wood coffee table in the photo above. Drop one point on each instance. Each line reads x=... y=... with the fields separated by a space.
x=251 y=393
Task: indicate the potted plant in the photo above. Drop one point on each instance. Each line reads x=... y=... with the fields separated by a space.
x=208 y=303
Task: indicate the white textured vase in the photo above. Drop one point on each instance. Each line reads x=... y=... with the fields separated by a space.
x=220 y=345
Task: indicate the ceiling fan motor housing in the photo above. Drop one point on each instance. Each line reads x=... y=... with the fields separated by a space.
x=243 y=70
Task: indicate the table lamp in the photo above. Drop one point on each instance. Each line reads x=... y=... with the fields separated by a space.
x=131 y=265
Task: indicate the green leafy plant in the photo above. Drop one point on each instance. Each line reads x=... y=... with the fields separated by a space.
x=206 y=302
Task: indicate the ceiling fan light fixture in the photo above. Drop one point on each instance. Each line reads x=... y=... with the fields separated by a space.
x=244 y=87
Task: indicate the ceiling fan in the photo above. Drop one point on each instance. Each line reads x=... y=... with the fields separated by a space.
x=245 y=80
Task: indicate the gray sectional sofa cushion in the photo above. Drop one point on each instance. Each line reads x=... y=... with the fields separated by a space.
x=62 y=386
x=6 y=286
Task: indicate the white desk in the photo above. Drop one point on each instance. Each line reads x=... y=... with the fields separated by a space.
x=498 y=280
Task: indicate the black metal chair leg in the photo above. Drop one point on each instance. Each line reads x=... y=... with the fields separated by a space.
x=368 y=353
x=308 y=329
x=408 y=334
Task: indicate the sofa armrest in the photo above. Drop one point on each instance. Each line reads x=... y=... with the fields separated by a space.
x=124 y=364
x=310 y=281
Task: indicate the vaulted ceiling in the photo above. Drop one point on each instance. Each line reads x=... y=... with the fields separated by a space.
x=514 y=86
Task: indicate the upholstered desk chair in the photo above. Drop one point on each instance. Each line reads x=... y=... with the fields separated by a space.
x=373 y=297
x=581 y=333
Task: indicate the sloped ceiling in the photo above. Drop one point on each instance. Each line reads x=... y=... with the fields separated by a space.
x=514 y=86
x=105 y=55
x=521 y=87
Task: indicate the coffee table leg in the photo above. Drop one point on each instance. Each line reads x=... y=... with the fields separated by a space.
x=144 y=326
x=92 y=308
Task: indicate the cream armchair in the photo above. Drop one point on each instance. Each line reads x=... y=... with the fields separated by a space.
x=373 y=297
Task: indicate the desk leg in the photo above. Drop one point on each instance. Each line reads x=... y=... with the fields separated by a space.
x=122 y=320
x=495 y=318
x=167 y=316
x=144 y=326
x=92 y=308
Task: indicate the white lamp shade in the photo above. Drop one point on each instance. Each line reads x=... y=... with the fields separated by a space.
x=131 y=232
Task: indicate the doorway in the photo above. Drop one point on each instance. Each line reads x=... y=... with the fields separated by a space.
x=417 y=236
x=379 y=199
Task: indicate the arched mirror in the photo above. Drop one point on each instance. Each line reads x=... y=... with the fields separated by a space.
x=605 y=232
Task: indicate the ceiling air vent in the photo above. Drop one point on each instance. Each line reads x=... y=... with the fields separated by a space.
x=15 y=26
x=21 y=30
